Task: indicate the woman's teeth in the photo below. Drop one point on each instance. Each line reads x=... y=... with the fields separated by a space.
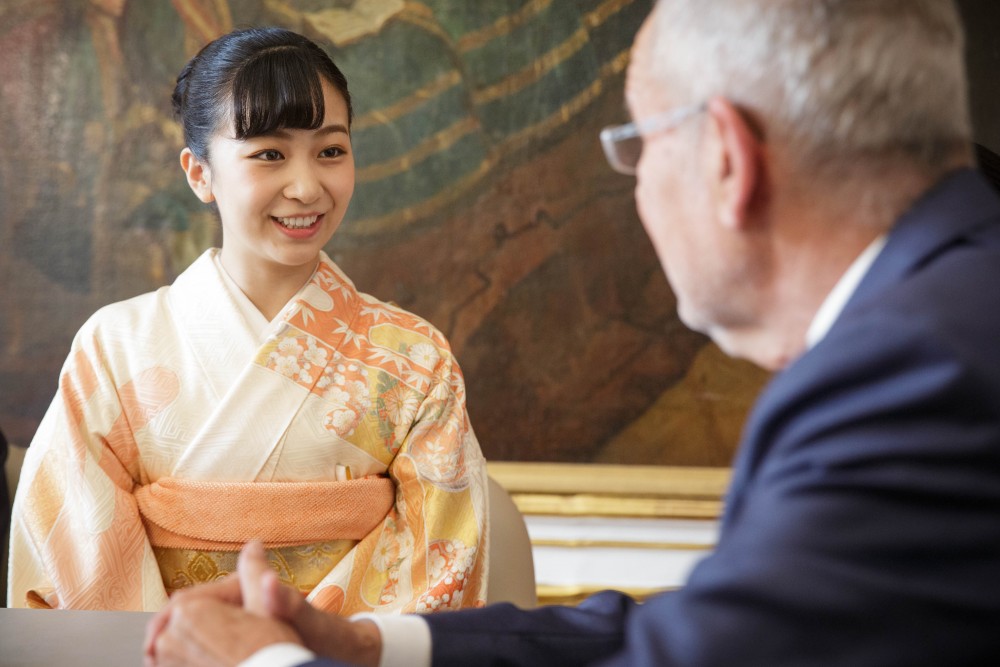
x=298 y=223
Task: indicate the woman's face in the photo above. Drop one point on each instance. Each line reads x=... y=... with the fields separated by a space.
x=280 y=196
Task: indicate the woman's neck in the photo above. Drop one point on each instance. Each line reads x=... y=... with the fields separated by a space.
x=269 y=287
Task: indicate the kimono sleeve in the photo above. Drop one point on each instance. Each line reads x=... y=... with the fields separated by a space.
x=430 y=553
x=77 y=540
x=443 y=472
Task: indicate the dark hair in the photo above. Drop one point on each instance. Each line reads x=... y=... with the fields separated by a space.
x=269 y=77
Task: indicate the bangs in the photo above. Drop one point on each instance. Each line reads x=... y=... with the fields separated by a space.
x=277 y=89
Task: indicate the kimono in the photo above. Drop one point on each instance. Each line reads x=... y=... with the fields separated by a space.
x=185 y=424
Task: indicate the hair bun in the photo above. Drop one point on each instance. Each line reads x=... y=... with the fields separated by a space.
x=177 y=99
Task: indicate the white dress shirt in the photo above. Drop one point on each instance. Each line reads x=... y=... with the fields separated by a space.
x=842 y=292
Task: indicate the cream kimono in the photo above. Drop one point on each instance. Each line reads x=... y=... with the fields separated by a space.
x=185 y=424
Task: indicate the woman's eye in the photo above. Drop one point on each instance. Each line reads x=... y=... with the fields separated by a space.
x=332 y=151
x=269 y=155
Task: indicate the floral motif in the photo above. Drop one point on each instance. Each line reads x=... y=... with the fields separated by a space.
x=342 y=422
x=386 y=555
x=393 y=550
x=424 y=354
x=337 y=394
x=290 y=347
x=390 y=591
x=346 y=386
x=287 y=366
x=315 y=354
x=297 y=357
x=441 y=390
x=320 y=555
x=449 y=564
x=401 y=404
x=438 y=449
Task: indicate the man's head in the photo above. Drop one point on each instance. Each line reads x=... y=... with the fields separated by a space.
x=840 y=80
x=823 y=120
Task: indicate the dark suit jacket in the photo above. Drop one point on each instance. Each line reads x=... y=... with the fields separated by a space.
x=863 y=522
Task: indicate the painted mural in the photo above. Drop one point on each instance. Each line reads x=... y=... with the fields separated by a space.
x=483 y=203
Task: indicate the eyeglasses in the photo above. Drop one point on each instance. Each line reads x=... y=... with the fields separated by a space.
x=623 y=143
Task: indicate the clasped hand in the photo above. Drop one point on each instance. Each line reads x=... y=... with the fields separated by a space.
x=225 y=622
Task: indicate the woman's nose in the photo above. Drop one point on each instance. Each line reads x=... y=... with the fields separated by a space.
x=303 y=184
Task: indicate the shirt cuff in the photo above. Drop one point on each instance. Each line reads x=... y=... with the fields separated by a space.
x=279 y=655
x=406 y=639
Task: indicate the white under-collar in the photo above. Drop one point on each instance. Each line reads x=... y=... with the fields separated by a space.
x=251 y=315
x=841 y=293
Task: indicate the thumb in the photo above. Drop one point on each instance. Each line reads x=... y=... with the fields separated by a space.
x=287 y=604
x=252 y=568
x=280 y=601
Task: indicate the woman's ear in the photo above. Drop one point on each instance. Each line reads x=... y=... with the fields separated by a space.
x=198 y=176
x=738 y=169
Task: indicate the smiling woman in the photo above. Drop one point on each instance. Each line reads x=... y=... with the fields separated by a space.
x=260 y=395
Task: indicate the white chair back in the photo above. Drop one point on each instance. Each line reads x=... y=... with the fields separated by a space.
x=512 y=567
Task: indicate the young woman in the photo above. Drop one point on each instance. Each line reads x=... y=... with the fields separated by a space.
x=261 y=395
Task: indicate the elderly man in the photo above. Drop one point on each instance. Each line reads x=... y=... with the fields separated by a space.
x=806 y=177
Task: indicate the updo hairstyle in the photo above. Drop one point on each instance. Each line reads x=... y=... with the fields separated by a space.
x=267 y=78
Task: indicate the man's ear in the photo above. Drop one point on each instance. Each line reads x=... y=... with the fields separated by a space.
x=736 y=163
x=198 y=176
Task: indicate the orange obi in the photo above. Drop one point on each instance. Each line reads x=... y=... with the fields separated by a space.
x=196 y=528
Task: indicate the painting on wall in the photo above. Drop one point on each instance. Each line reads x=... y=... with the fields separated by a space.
x=483 y=203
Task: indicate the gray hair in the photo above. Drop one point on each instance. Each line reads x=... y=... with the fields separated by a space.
x=843 y=82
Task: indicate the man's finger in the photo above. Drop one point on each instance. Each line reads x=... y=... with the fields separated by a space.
x=279 y=601
x=156 y=625
x=153 y=629
x=252 y=568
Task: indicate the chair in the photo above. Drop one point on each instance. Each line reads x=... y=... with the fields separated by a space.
x=512 y=568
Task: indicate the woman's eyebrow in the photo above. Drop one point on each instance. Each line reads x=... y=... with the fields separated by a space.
x=326 y=129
